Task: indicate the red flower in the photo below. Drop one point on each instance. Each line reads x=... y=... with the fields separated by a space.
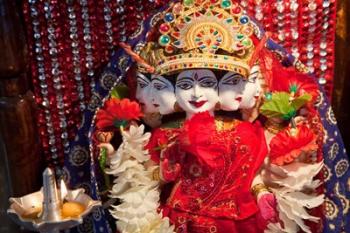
x=285 y=147
x=117 y=112
x=287 y=79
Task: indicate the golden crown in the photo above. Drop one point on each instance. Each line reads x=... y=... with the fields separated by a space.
x=213 y=34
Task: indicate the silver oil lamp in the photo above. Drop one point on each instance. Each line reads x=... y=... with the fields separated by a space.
x=51 y=209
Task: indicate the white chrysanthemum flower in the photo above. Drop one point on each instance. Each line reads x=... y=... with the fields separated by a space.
x=295 y=193
x=134 y=186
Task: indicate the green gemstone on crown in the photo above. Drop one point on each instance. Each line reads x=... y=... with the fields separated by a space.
x=225 y=4
x=247 y=42
x=164 y=40
x=188 y=2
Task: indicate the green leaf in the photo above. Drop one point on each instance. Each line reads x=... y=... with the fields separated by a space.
x=300 y=101
x=120 y=92
x=103 y=159
x=278 y=106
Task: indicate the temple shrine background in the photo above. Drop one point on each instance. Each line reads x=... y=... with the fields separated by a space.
x=26 y=142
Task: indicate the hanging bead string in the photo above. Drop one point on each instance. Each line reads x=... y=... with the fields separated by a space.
x=56 y=78
x=45 y=118
x=120 y=10
x=108 y=22
x=311 y=8
x=294 y=32
x=76 y=57
x=324 y=64
x=258 y=10
x=89 y=59
x=280 y=21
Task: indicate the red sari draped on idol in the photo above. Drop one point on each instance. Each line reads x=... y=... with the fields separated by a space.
x=218 y=164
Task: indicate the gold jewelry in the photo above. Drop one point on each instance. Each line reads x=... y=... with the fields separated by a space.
x=202 y=34
x=258 y=188
x=155 y=174
x=274 y=127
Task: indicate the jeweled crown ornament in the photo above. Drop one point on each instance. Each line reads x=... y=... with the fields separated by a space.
x=211 y=34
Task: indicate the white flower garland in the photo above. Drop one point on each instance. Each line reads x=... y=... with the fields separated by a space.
x=135 y=187
x=294 y=186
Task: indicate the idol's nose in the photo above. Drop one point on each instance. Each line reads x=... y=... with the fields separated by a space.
x=197 y=91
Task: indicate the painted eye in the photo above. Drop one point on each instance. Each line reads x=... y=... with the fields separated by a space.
x=159 y=86
x=234 y=80
x=184 y=85
x=252 y=79
x=142 y=85
x=208 y=84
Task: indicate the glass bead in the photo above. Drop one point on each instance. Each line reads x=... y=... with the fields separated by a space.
x=280 y=7
x=322 y=81
x=52 y=142
x=50 y=130
x=88 y=46
x=82 y=107
x=294 y=6
x=310 y=55
x=323 y=67
x=37 y=36
x=326 y=3
x=281 y=36
x=73 y=36
x=295 y=34
x=323 y=45
x=313 y=14
x=169 y=17
x=53 y=51
x=312 y=6
x=259 y=16
x=40 y=58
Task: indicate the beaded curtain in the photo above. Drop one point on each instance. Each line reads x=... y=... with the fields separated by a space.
x=69 y=41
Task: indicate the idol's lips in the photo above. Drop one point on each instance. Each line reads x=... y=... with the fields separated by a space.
x=198 y=104
x=142 y=104
x=156 y=105
x=239 y=99
x=256 y=97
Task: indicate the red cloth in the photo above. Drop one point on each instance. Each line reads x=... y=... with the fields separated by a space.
x=216 y=174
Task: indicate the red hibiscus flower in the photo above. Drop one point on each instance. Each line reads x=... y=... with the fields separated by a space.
x=289 y=80
x=286 y=147
x=117 y=113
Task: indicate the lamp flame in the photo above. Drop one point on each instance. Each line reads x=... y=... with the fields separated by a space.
x=64 y=190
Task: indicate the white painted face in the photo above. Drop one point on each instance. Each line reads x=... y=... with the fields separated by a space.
x=196 y=91
x=143 y=93
x=231 y=88
x=163 y=94
x=252 y=89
